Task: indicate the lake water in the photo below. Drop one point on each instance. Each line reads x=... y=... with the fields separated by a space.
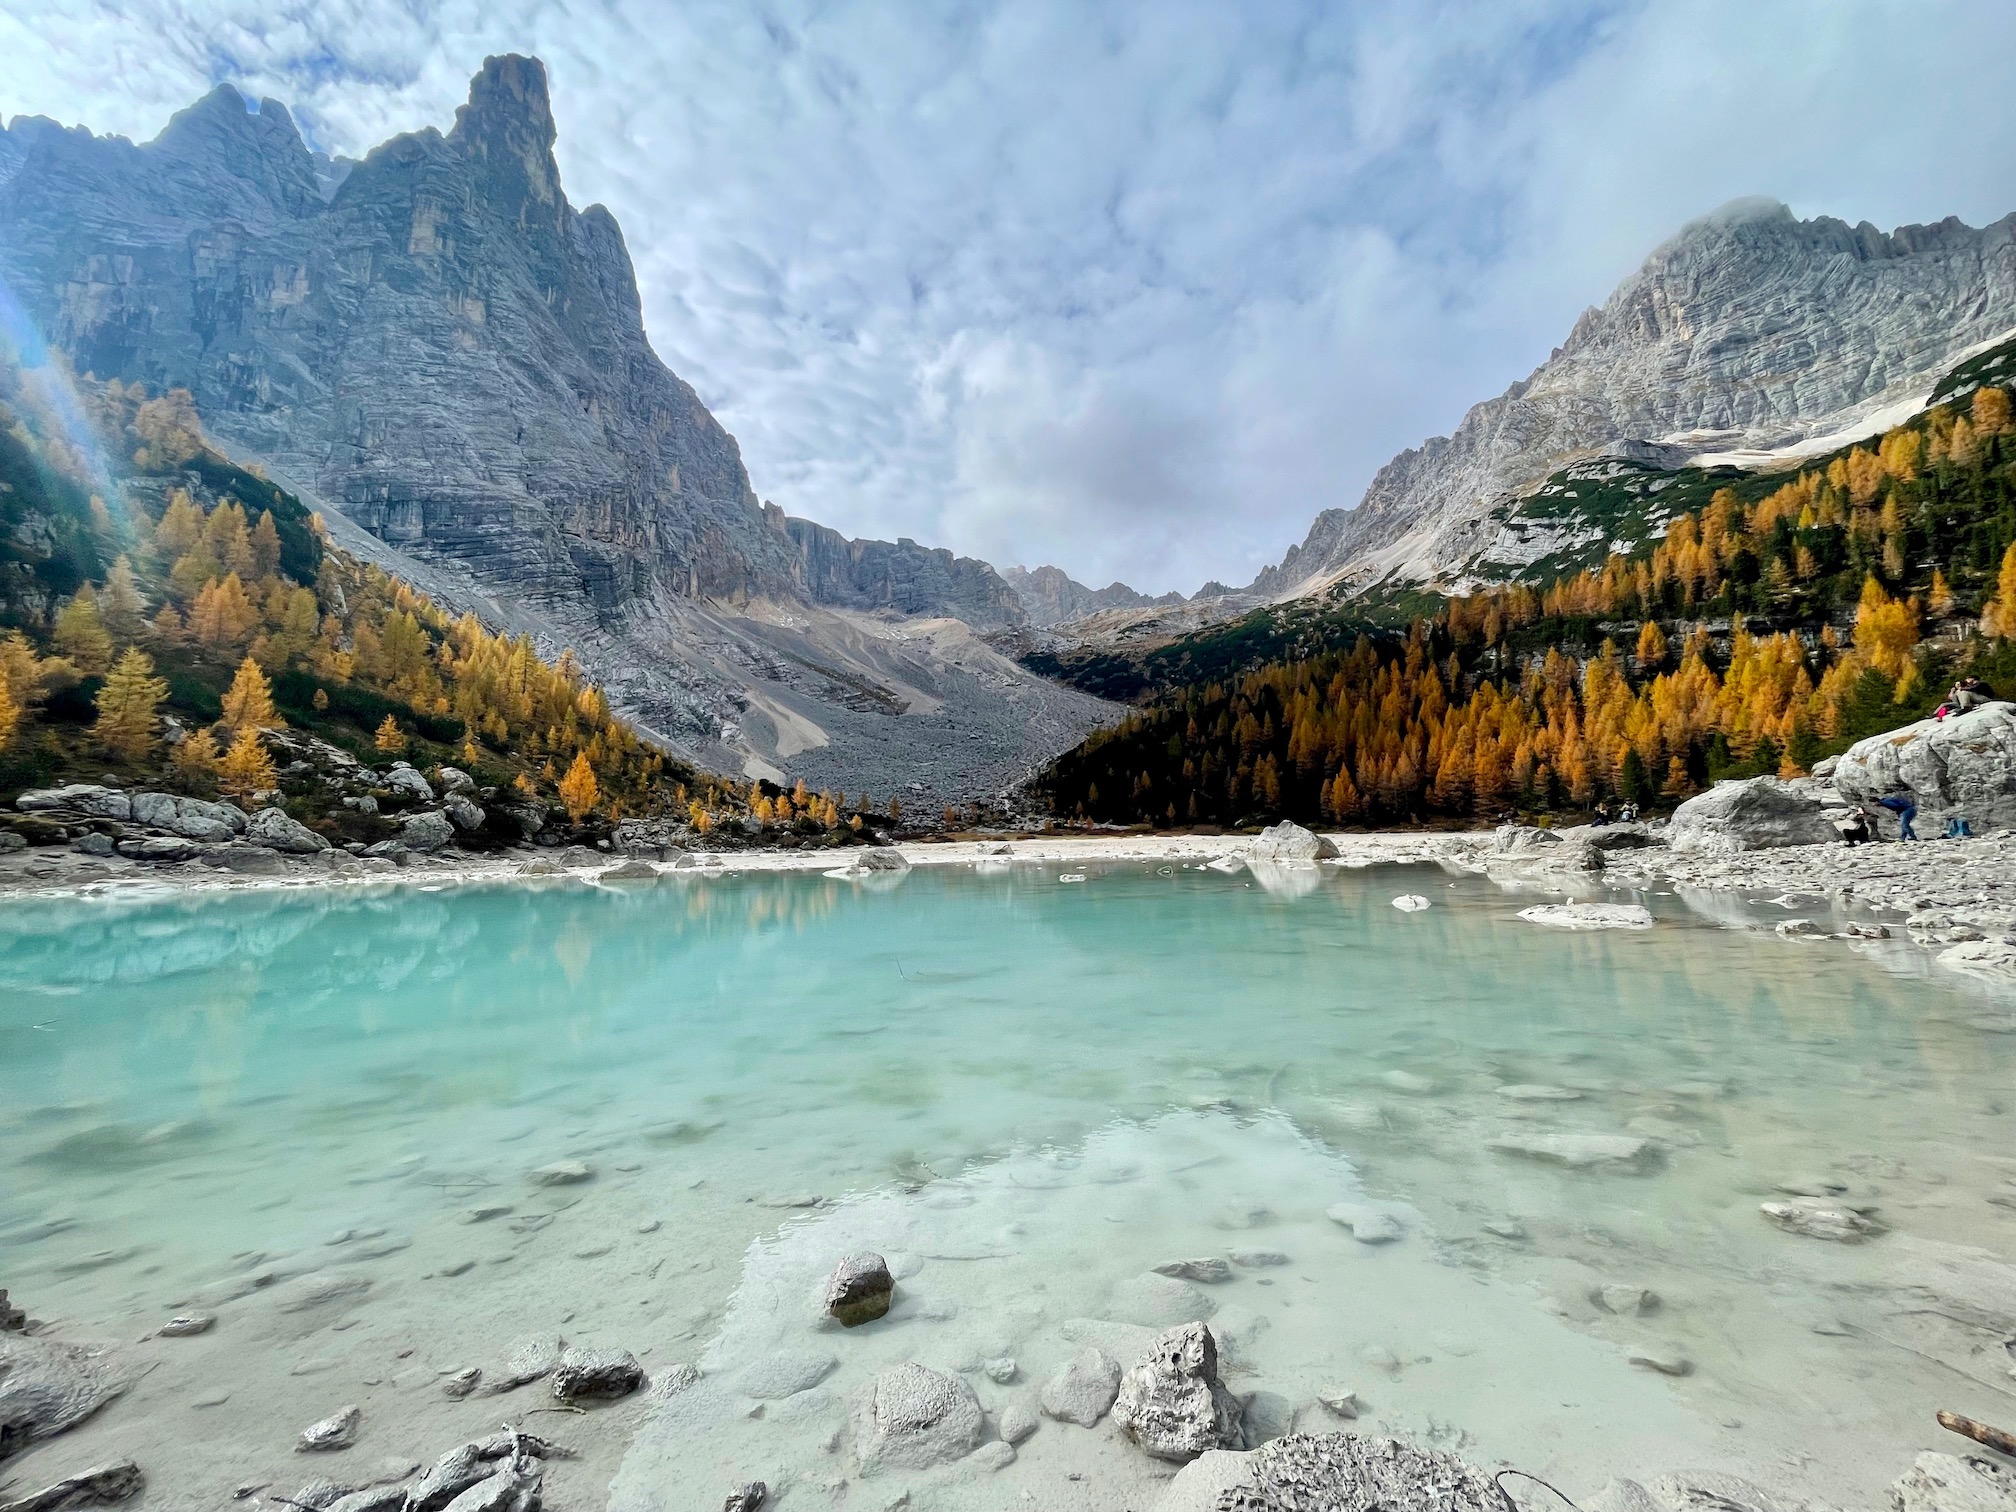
x=1027 y=1093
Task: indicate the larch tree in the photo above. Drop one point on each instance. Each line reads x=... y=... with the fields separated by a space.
x=248 y=705
x=390 y=738
x=246 y=768
x=81 y=636
x=121 y=606
x=579 y=789
x=128 y=706
x=195 y=758
x=10 y=714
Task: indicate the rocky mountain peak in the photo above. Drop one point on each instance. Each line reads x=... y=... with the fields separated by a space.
x=1748 y=323
x=506 y=132
x=221 y=139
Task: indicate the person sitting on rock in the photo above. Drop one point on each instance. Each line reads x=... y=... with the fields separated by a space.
x=1905 y=807
x=1602 y=815
x=1966 y=694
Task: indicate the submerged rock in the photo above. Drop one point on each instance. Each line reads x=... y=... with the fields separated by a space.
x=1172 y=1404
x=914 y=1418
x=859 y=1290
x=749 y=1498
x=1816 y=1219
x=1082 y=1389
x=1368 y=1224
x=1017 y=1423
x=1288 y=841
x=1207 y=1269
x=1762 y=813
x=1949 y=1483
x=185 y=1325
x=532 y=1358
x=48 y=1387
x=561 y=1173
x=1339 y=1471
x=785 y=1374
x=88 y=1488
x=596 y=1374
x=1583 y=1152
x=1155 y=1301
x=336 y=1431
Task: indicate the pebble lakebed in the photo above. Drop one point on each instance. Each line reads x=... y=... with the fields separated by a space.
x=1029 y=1095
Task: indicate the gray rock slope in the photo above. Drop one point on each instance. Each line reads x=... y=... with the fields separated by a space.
x=1749 y=330
x=434 y=345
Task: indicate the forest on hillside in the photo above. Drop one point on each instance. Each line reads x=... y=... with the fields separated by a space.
x=1789 y=616
x=166 y=615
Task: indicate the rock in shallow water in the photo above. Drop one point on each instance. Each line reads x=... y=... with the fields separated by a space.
x=1288 y=841
x=1588 y=916
x=336 y=1431
x=1368 y=1224
x=1155 y=1301
x=1082 y=1389
x=1817 y=1219
x=47 y=1387
x=1172 y=1404
x=1209 y=1269
x=1017 y=1423
x=596 y=1374
x=859 y=1290
x=914 y=1418
x=1949 y=1483
x=89 y=1488
x=1623 y=1153
x=1333 y=1471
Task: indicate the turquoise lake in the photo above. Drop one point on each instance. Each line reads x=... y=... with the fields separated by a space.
x=1028 y=1093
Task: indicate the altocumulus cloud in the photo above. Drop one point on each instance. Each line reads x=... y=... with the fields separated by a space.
x=1135 y=287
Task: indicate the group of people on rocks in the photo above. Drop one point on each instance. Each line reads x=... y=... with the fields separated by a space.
x=1966 y=695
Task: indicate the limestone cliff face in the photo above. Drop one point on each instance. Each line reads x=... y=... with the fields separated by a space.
x=1749 y=330
x=433 y=344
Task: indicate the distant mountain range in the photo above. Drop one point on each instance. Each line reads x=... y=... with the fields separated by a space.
x=1750 y=333
x=437 y=349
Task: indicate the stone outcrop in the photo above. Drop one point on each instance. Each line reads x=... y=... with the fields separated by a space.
x=1963 y=766
x=437 y=350
x=273 y=829
x=1288 y=841
x=1749 y=329
x=1172 y=1404
x=1762 y=813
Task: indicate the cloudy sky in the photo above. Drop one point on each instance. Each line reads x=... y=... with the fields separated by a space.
x=1134 y=287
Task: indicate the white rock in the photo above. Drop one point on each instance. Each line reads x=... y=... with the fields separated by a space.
x=426 y=830
x=1410 y=903
x=1800 y=929
x=1949 y=1483
x=1208 y=1269
x=1582 y=1152
x=403 y=779
x=998 y=1454
x=1990 y=960
x=1817 y=1219
x=1172 y=1404
x=1159 y=1301
x=913 y=1418
x=1963 y=766
x=1368 y=1224
x=336 y=1431
x=1340 y=1400
x=785 y=1374
x=1081 y=1391
x=84 y=797
x=1762 y=813
x=561 y=1173
x=1288 y=841
x=1018 y=1423
x=1538 y=1092
x=1588 y=915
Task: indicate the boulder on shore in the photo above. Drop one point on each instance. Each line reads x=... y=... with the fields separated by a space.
x=274 y=830
x=1333 y=1470
x=427 y=830
x=1172 y=1404
x=913 y=1418
x=1963 y=766
x=1288 y=841
x=1761 y=813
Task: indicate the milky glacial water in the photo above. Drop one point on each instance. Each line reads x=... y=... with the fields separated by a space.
x=1028 y=1093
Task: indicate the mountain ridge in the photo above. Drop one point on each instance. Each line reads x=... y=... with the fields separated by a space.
x=432 y=344
x=1747 y=324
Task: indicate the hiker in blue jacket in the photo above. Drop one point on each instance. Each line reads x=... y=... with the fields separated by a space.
x=1905 y=807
